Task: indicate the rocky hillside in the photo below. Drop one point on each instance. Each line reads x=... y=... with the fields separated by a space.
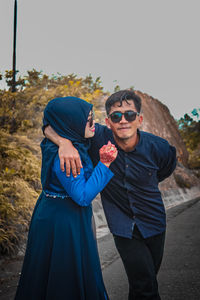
x=159 y=121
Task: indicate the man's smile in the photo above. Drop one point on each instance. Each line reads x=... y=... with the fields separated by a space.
x=123 y=128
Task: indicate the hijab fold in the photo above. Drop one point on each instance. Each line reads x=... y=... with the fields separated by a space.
x=68 y=117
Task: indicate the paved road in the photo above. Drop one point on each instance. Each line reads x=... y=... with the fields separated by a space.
x=179 y=277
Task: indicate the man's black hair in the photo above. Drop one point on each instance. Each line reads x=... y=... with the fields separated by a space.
x=123 y=95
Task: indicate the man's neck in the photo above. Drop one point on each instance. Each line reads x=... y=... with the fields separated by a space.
x=127 y=144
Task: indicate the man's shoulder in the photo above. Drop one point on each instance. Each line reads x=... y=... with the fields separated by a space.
x=101 y=137
x=101 y=127
x=102 y=132
x=155 y=143
x=152 y=138
x=159 y=148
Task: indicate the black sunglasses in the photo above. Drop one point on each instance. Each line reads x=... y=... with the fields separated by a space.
x=129 y=115
x=91 y=119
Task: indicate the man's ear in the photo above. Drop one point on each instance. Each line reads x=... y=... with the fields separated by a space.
x=107 y=122
x=140 y=119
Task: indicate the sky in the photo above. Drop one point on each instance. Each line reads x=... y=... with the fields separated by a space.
x=153 y=45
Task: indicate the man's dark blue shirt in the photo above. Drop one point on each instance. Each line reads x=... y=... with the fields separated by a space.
x=132 y=196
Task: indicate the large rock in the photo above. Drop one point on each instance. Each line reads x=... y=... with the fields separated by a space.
x=159 y=121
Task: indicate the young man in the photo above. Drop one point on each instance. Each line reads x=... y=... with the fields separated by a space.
x=132 y=201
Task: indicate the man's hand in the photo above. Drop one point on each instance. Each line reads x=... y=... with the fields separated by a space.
x=69 y=158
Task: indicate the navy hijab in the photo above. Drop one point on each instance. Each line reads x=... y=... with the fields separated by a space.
x=68 y=117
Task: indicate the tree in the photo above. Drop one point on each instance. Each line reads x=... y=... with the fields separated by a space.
x=190 y=132
x=9 y=80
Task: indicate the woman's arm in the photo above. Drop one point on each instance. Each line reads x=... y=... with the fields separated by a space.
x=68 y=154
x=83 y=191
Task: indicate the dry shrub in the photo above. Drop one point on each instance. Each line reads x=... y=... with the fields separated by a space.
x=19 y=188
x=20 y=136
x=17 y=199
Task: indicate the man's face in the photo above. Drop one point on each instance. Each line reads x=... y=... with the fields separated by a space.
x=124 y=130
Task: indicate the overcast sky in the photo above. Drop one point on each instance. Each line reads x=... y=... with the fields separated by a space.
x=153 y=45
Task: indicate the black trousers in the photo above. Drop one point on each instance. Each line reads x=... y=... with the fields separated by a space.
x=142 y=259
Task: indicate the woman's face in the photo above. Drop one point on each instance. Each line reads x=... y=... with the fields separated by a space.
x=90 y=128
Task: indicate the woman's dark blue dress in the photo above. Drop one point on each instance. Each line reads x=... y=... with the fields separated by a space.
x=61 y=260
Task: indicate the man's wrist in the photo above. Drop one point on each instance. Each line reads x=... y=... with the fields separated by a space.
x=62 y=141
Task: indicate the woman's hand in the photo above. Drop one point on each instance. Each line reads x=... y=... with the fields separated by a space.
x=108 y=154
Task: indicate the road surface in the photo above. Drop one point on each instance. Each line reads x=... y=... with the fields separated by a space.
x=179 y=276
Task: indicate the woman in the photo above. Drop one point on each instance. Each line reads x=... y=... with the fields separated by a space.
x=61 y=260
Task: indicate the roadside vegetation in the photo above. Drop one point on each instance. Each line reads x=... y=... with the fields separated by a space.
x=20 y=137
x=189 y=128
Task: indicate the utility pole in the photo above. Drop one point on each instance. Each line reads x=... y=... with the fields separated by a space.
x=14 y=48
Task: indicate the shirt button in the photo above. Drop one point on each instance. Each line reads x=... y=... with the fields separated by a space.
x=127 y=166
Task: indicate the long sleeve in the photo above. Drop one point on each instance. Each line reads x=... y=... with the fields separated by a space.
x=83 y=191
x=168 y=164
